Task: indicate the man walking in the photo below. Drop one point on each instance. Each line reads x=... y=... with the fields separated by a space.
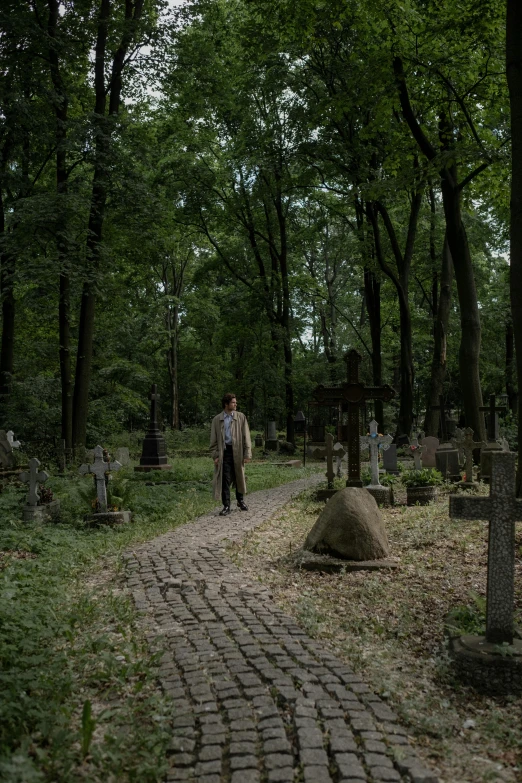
x=230 y=447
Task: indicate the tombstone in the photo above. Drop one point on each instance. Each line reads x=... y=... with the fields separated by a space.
x=339 y=453
x=389 y=460
x=375 y=443
x=428 y=456
x=447 y=462
x=482 y=659
x=493 y=445
x=463 y=441
x=6 y=452
x=272 y=441
x=15 y=444
x=417 y=450
x=35 y=508
x=492 y=419
x=89 y=455
x=299 y=423
x=153 y=455
x=258 y=443
x=352 y=395
x=123 y=456
x=99 y=469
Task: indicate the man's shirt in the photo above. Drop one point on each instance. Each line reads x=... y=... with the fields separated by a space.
x=228 y=423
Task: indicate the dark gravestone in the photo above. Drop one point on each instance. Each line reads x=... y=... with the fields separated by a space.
x=352 y=395
x=272 y=442
x=153 y=454
x=493 y=445
x=389 y=460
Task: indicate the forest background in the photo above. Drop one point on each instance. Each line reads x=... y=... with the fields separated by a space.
x=228 y=194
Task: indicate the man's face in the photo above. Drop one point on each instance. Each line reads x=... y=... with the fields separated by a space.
x=232 y=405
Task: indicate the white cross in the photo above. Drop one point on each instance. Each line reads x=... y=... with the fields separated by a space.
x=33 y=478
x=99 y=469
x=463 y=441
x=375 y=442
x=15 y=444
x=417 y=450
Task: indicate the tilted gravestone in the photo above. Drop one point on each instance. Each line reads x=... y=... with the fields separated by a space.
x=483 y=657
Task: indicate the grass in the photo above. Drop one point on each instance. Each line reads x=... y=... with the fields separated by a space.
x=79 y=697
x=389 y=626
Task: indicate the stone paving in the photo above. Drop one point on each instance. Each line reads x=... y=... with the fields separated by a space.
x=256 y=700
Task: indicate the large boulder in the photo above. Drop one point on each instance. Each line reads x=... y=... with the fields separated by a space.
x=350 y=526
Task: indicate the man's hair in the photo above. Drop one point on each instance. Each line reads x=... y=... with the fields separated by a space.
x=227 y=399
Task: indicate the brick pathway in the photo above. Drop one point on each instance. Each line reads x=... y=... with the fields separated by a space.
x=256 y=700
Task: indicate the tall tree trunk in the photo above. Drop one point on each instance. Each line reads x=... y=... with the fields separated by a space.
x=372 y=291
x=514 y=79
x=60 y=110
x=510 y=367
x=440 y=331
x=172 y=364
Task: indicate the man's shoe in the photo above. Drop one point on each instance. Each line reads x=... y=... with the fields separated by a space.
x=242 y=505
x=225 y=511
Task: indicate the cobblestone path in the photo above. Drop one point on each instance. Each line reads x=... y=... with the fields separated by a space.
x=255 y=699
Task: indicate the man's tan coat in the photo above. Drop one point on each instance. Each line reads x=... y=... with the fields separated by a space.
x=241 y=446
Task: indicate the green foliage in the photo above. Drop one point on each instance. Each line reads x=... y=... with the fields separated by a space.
x=468 y=618
x=427 y=477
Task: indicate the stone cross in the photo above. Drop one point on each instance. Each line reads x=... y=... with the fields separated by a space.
x=15 y=444
x=352 y=395
x=100 y=469
x=417 y=450
x=330 y=475
x=492 y=418
x=339 y=453
x=463 y=441
x=502 y=509
x=33 y=477
x=375 y=442
x=442 y=407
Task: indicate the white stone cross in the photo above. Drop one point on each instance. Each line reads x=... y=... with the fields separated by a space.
x=15 y=444
x=100 y=469
x=416 y=449
x=463 y=441
x=375 y=442
x=33 y=478
x=502 y=509
x=339 y=453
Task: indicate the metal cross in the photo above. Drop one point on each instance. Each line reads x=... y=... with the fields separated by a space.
x=100 y=469
x=375 y=442
x=502 y=509
x=492 y=418
x=33 y=478
x=352 y=395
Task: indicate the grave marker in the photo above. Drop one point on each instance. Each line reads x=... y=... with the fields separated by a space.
x=492 y=429
x=428 y=457
x=100 y=469
x=464 y=442
x=153 y=455
x=502 y=509
x=417 y=450
x=33 y=477
x=353 y=394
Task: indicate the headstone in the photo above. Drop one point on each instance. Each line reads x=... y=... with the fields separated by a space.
x=272 y=441
x=389 y=460
x=463 y=441
x=375 y=443
x=493 y=445
x=492 y=418
x=258 y=442
x=352 y=395
x=99 y=469
x=447 y=462
x=153 y=455
x=299 y=423
x=34 y=509
x=15 y=444
x=122 y=456
x=417 y=450
x=428 y=457
x=6 y=451
x=502 y=509
x=350 y=526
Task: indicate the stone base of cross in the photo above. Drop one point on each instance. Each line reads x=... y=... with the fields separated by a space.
x=99 y=469
x=375 y=442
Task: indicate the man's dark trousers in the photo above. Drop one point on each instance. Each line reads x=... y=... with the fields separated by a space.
x=229 y=476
